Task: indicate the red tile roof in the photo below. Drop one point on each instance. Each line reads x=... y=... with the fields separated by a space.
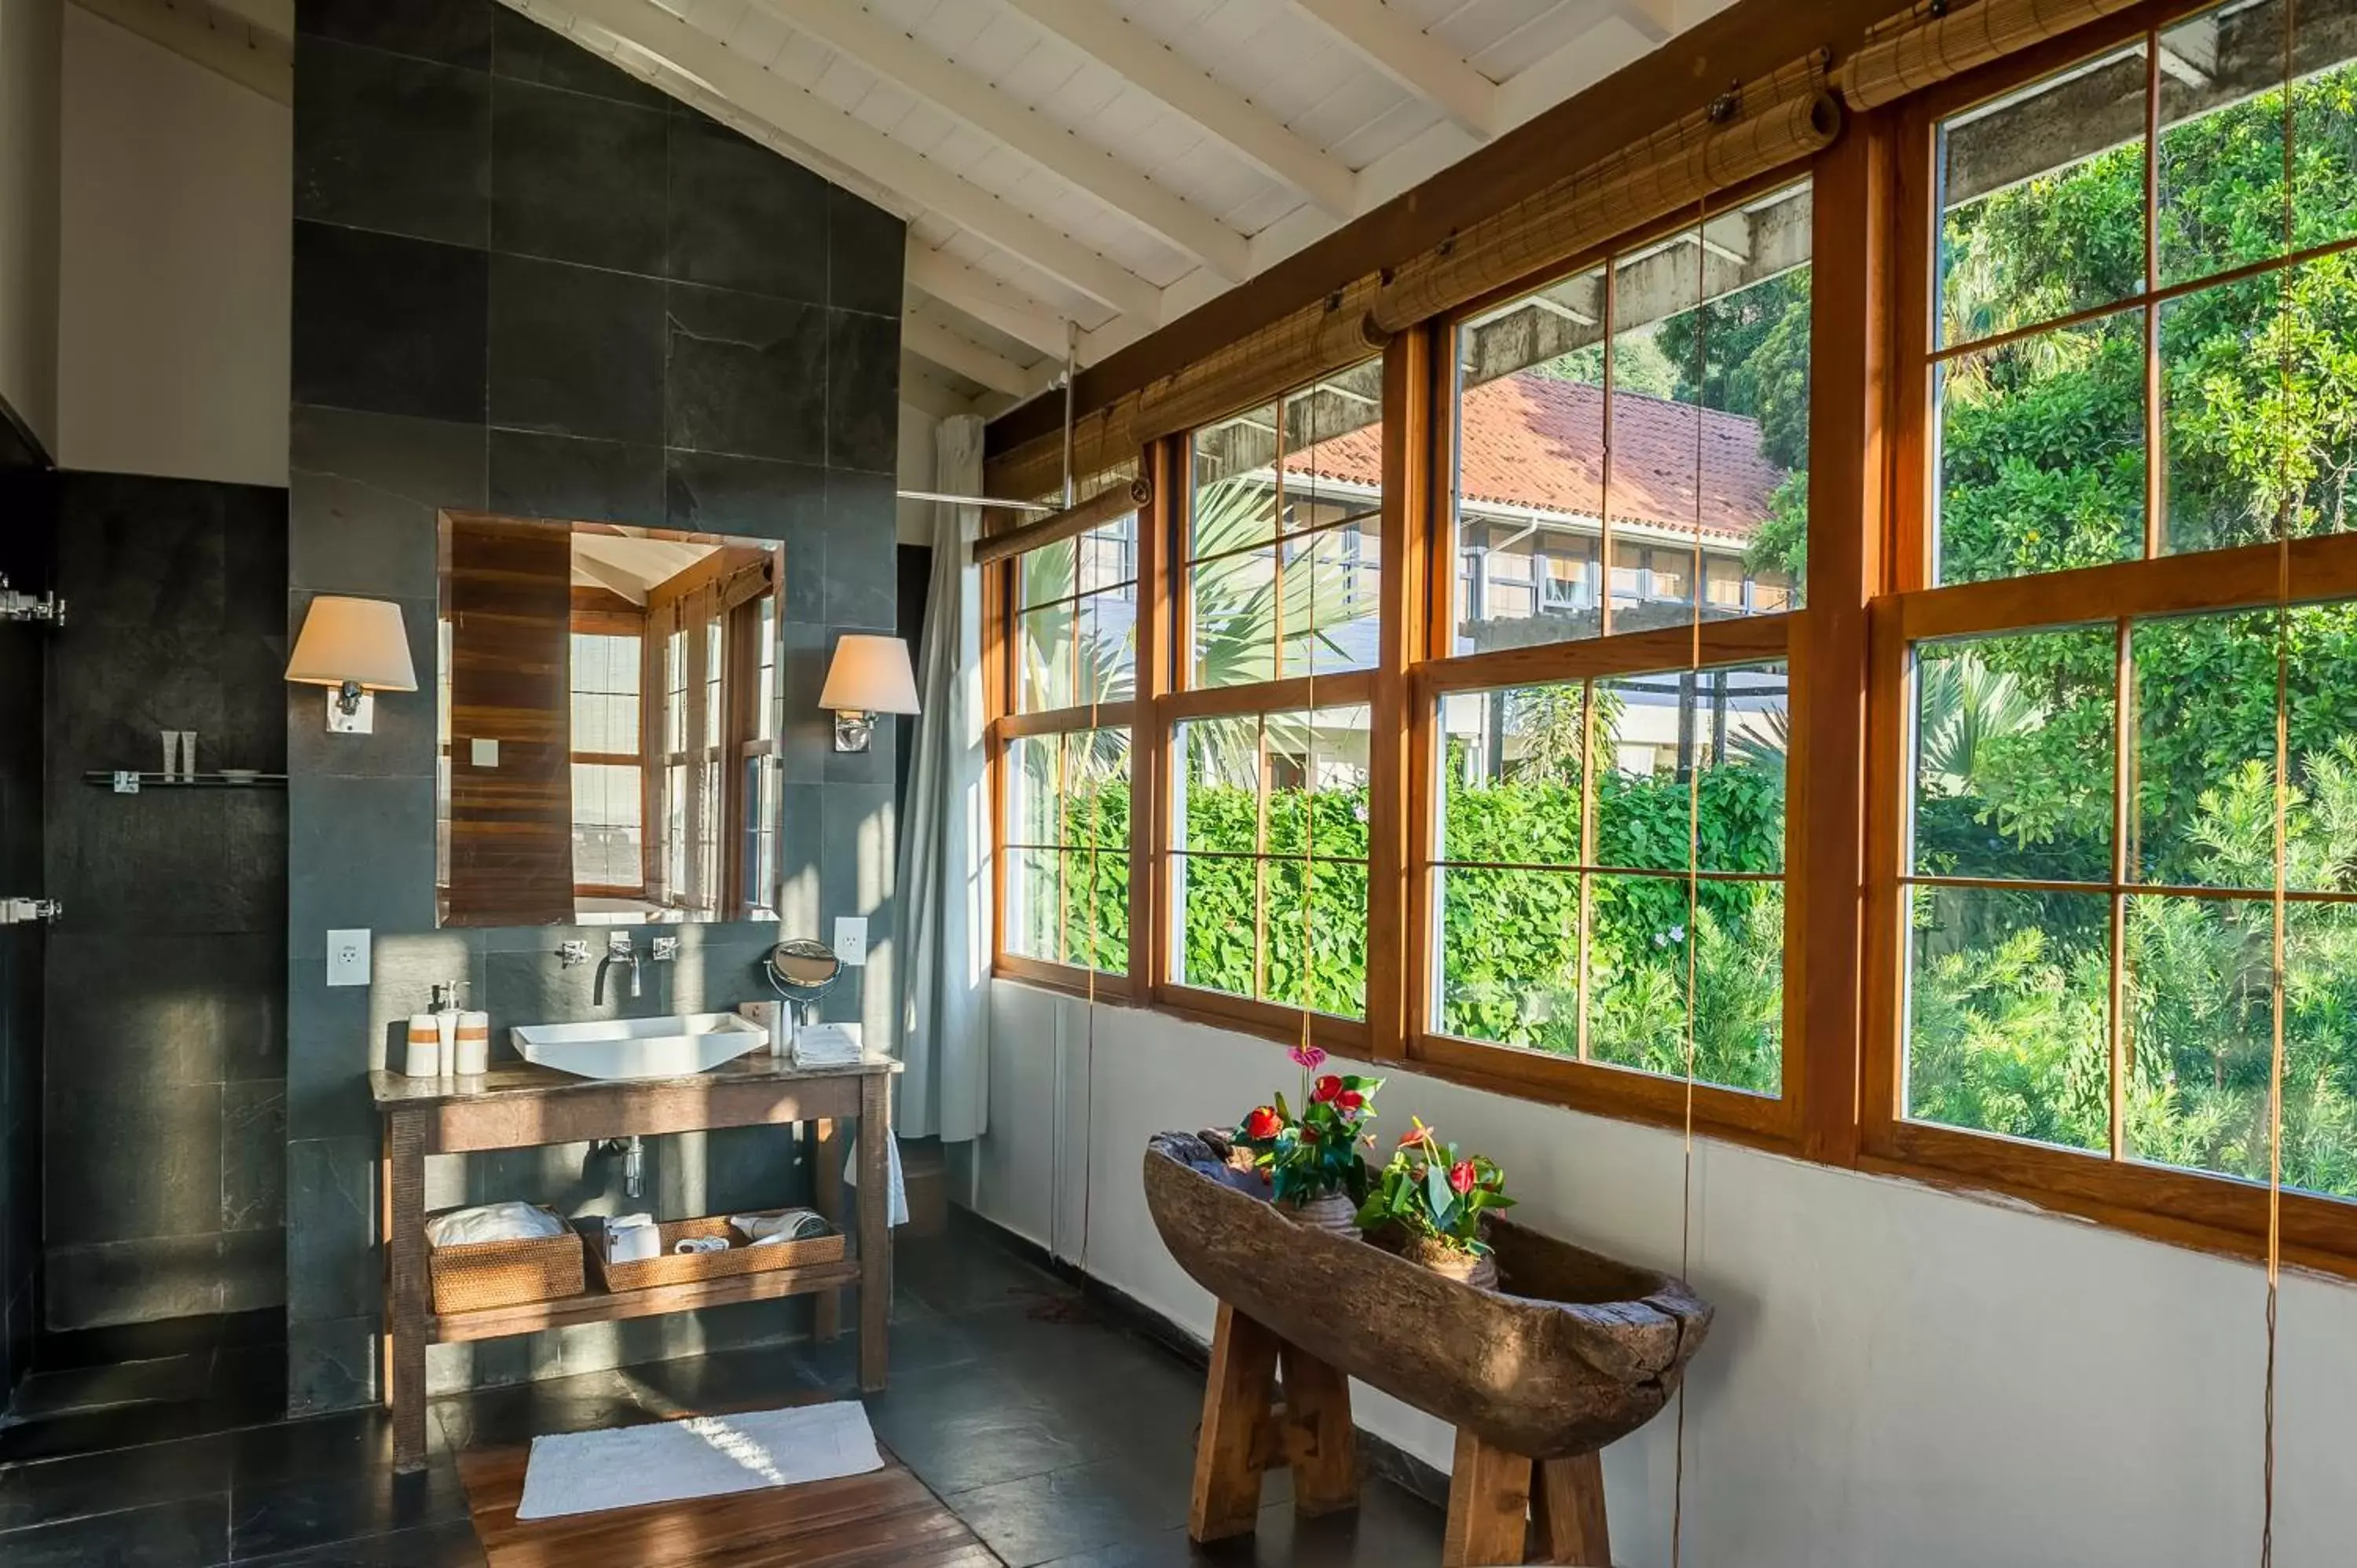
x=1531 y=441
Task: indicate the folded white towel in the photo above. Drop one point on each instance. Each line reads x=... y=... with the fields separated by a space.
x=826 y=1045
x=632 y=1238
x=691 y=1244
x=493 y=1222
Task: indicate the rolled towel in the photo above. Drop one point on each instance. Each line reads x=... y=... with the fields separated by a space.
x=691 y=1244
x=782 y=1224
x=493 y=1222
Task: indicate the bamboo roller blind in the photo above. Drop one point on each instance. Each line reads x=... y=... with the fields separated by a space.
x=1767 y=122
x=1335 y=333
x=1930 y=43
x=1117 y=500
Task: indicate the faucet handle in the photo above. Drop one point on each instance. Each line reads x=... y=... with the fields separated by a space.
x=619 y=943
x=666 y=949
x=573 y=953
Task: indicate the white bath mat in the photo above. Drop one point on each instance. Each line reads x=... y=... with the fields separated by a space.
x=701 y=1457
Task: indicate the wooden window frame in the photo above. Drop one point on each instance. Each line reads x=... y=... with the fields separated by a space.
x=1177 y=701
x=2213 y=1212
x=1866 y=596
x=1002 y=678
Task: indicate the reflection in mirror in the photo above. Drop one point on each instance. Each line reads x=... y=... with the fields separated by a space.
x=609 y=725
x=804 y=971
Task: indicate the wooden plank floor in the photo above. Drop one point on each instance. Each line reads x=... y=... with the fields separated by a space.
x=887 y=1517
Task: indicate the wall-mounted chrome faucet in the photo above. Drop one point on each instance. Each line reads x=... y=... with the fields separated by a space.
x=22 y=607
x=618 y=950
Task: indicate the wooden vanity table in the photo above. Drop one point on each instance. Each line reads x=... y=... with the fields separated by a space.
x=517 y=1105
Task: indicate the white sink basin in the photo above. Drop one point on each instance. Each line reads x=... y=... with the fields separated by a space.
x=676 y=1046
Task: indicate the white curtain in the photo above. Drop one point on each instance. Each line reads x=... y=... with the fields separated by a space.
x=945 y=837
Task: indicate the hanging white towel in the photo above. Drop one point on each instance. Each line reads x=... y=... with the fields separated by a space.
x=896 y=1208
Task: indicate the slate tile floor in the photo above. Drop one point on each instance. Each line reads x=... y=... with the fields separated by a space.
x=1062 y=1436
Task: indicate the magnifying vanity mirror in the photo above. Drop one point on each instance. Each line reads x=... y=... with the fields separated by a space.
x=804 y=971
x=609 y=725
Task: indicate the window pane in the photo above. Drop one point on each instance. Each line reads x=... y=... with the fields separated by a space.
x=607 y=808
x=1034 y=776
x=2204 y=806
x=1220 y=922
x=2260 y=429
x=1045 y=678
x=1107 y=626
x=1332 y=581
x=1096 y=909
x=1047 y=574
x=1234 y=501
x=1321 y=903
x=2013 y=756
x=1738 y=1002
x=1510 y=775
x=2008 y=1014
x=1710 y=373
x=604 y=692
x=1096 y=799
x=2041 y=464
x=1108 y=555
x=1218 y=785
x=1234 y=606
x=1035 y=892
x=1317 y=783
x=1639 y=928
x=1510 y=956
x=1692 y=756
x=2042 y=200
x=2221 y=112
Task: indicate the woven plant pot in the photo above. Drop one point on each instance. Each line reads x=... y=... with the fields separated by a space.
x=1479 y=1270
x=1331 y=1211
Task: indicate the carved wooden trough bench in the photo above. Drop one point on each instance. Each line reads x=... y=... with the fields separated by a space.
x=1572 y=1352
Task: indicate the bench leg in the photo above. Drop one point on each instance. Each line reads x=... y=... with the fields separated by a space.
x=1321 y=1443
x=1234 y=1442
x=1489 y=1506
x=1567 y=1511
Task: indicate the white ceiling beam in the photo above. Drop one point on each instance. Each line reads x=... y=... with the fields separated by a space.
x=1256 y=135
x=1623 y=31
x=986 y=299
x=921 y=387
x=898 y=58
x=1413 y=59
x=837 y=138
x=259 y=62
x=930 y=340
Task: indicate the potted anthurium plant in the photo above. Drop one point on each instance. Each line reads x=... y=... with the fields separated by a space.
x=1310 y=1158
x=1438 y=1197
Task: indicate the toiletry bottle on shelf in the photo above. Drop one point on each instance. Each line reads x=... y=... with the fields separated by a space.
x=446 y=1024
x=474 y=1046
x=424 y=1056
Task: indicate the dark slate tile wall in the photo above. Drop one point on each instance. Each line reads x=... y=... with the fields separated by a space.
x=528 y=283
x=27 y=539
x=166 y=980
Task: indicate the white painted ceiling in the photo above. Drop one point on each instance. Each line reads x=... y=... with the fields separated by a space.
x=1109 y=164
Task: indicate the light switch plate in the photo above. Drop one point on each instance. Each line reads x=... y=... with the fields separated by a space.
x=486 y=752
x=851 y=939
x=348 y=958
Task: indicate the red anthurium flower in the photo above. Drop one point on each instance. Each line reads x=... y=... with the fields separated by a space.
x=1461 y=1175
x=1349 y=1100
x=1264 y=1123
x=1328 y=1087
x=1417 y=1137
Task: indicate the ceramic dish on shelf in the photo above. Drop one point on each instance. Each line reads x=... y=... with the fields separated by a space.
x=239 y=775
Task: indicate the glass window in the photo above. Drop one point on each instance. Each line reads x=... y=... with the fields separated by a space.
x=1270 y=880
x=1068 y=848
x=1077 y=619
x=2052 y=450
x=1284 y=535
x=1610 y=883
x=1702 y=403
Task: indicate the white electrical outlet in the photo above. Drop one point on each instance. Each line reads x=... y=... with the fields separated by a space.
x=484 y=753
x=348 y=958
x=851 y=939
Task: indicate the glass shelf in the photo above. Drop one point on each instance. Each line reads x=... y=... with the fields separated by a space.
x=104 y=779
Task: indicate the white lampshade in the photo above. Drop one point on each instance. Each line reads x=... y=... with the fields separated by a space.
x=870 y=675
x=361 y=641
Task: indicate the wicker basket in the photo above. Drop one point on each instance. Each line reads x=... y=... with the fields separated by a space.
x=672 y=1268
x=478 y=1274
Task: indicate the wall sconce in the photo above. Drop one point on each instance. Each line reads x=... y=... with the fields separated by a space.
x=870 y=675
x=354 y=647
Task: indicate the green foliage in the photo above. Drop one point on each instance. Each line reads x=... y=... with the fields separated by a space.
x=1436 y=1192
